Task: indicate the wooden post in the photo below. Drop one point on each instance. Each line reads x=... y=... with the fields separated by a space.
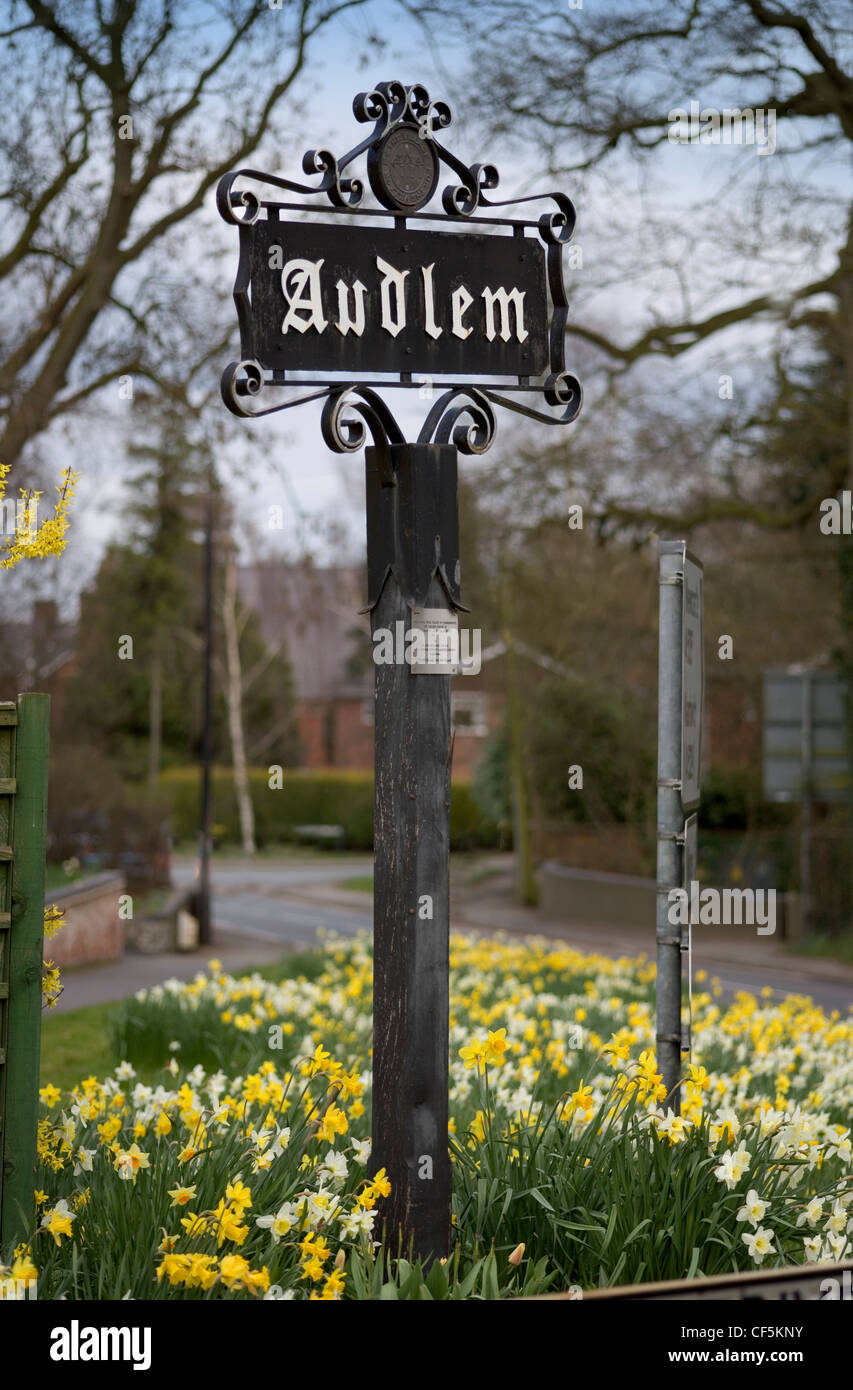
x=24 y=969
x=412 y=530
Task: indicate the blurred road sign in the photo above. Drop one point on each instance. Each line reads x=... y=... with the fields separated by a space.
x=804 y=745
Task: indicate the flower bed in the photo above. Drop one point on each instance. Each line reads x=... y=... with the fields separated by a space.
x=242 y=1168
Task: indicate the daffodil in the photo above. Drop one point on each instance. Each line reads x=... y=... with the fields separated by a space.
x=753 y=1209
x=759 y=1243
x=58 y=1220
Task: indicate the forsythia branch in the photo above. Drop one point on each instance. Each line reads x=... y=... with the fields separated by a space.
x=51 y=984
x=37 y=543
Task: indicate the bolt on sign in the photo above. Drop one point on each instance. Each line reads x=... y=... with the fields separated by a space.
x=361 y=296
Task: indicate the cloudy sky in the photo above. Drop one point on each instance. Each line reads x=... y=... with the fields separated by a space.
x=688 y=218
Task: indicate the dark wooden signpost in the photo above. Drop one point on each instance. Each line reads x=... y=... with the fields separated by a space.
x=352 y=301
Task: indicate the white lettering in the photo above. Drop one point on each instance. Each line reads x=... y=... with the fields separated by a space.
x=503 y=301
x=393 y=321
x=296 y=276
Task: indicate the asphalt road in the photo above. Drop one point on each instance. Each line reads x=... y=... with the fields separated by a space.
x=263 y=901
x=266 y=907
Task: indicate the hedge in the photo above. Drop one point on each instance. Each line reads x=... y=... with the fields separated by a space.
x=307 y=798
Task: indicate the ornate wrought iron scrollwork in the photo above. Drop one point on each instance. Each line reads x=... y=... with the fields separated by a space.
x=404 y=158
x=441 y=427
x=242 y=380
x=346 y=436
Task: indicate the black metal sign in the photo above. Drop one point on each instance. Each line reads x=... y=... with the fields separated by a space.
x=370 y=299
x=348 y=300
x=358 y=297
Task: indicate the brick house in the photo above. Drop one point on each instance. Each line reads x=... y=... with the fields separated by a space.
x=314 y=614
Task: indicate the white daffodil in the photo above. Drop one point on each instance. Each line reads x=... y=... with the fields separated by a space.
x=733 y=1166
x=359 y=1220
x=282 y=1138
x=812 y=1214
x=840 y=1246
x=361 y=1151
x=753 y=1208
x=759 y=1243
x=840 y=1145
x=283 y=1221
x=336 y=1165
x=671 y=1126
x=837 y=1221
x=83 y=1161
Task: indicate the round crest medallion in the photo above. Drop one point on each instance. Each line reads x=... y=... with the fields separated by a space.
x=403 y=170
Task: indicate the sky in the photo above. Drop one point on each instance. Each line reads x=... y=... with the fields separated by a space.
x=291 y=467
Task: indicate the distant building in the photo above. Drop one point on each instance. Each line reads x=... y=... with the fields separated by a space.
x=37 y=654
x=313 y=615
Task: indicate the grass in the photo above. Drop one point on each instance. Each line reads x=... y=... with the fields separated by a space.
x=820 y=944
x=363 y=884
x=81 y=1043
x=56 y=877
x=76 y=1044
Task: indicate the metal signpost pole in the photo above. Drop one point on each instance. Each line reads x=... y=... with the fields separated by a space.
x=670 y=820
x=339 y=308
x=680 y=701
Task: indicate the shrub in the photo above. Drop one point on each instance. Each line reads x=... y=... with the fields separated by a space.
x=308 y=798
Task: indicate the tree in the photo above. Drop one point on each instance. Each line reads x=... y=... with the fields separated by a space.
x=119 y=119
x=137 y=688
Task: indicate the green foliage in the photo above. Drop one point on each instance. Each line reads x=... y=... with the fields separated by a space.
x=308 y=798
x=150 y=587
x=616 y=1204
x=377 y=1276
x=608 y=735
x=77 y=1044
x=490 y=785
x=733 y=799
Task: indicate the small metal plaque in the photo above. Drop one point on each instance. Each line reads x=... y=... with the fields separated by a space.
x=435 y=642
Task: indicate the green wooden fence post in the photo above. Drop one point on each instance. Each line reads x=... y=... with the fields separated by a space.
x=8 y=721
x=28 y=817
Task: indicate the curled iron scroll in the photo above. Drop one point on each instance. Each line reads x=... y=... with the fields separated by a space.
x=345 y=435
x=441 y=427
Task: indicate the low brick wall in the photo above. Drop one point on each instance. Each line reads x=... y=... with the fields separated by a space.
x=92 y=930
x=581 y=895
x=619 y=900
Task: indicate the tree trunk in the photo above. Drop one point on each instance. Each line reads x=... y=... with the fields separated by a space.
x=155 y=717
x=526 y=888
x=234 y=704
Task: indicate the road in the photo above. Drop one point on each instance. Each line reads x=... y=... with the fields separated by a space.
x=287 y=903
x=271 y=901
x=265 y=907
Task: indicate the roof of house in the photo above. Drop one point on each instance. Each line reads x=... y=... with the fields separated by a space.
x=35 y=648
x=312 y=615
